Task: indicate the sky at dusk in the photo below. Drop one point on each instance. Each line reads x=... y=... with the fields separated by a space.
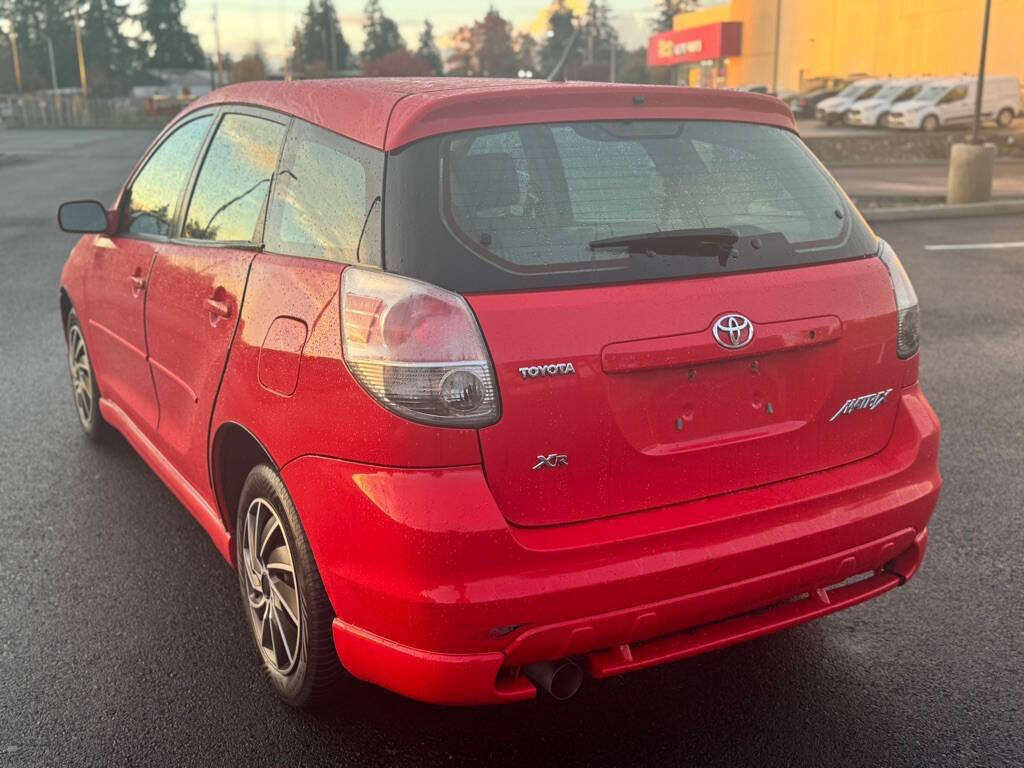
x=270 y=22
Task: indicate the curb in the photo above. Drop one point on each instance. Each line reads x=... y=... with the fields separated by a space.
x=962 y=210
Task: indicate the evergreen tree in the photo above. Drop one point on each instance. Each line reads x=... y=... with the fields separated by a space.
x=382 y=35
x=109 y=55
x=526 y=52
x=170 y=44
x=33 y=22
x=428 y=48
x=495 y=53
x=668 y=10
x=599 y=34
x=561 y=26
x=320 y=46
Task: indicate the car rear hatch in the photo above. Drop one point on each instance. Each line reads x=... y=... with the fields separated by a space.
x=645 y=371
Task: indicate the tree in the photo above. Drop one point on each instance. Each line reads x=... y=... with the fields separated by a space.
x=599 y=39
x=526 y=52
x=495 y=54
x=561 y=26
x=33 y=22
x=320 y=46
x=111 y=57
x=249 y=67
x=428 y=48
x=484 y=49
x=170 y=45
x=382 y=35
x=668 y=10
x=398 y=63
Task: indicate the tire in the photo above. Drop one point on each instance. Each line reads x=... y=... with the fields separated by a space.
x=1005 y=118
x=930 y=123
x=84 y=389
x=882 y=121
x=298 y=655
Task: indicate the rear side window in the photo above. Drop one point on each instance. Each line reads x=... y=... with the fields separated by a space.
x=537 y=196
x=234 y=181
x=150 y=207
x=324 y=189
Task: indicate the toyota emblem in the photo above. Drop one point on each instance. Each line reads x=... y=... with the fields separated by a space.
x=733 y=331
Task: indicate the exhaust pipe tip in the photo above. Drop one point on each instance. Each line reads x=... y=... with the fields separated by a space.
x=561 y=679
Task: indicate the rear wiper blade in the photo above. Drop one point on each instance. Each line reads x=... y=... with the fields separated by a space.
x=673 y=241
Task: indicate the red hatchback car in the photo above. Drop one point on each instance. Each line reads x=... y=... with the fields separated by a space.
x=481 y=384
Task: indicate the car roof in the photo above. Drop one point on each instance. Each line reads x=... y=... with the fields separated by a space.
x=388 y=113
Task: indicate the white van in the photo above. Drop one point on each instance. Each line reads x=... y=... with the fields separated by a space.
x=951 y=102
x=833 y=110
x=874 y=112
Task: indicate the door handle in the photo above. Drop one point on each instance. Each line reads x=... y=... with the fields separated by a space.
x=218 y=308
x=138 y=283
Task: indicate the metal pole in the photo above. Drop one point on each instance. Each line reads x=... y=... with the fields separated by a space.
x=778 y=29
x=17 y=64
x=976 y=133
x=81 y=56
x=53 y=67
x=611 y=72
x=216 y=43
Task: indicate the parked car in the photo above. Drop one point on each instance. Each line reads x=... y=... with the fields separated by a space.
x=874 y=112
x=595 y=373
x=951 y=102
x=833 y=111
x=805 y=103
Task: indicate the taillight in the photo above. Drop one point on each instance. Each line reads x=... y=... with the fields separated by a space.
x=908 y=328
x=416 y=349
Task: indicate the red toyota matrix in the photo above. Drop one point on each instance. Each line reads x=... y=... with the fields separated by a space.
x=483 y=385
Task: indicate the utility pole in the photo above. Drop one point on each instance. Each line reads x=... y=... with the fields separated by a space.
x=53 y=67
x=81 y=56
x=216 y=44
x=611 y=69
x=976 y=133
x=14 y=52
x=778 y=30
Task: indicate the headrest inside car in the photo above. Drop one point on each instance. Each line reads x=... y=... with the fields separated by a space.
x=487 y=180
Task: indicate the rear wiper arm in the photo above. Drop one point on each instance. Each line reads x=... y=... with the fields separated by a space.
x=673 y=241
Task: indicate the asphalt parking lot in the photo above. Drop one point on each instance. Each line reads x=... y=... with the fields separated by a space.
x=121 y=631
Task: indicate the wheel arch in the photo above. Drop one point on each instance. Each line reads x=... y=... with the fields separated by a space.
x=65 y=309
x=235 y=450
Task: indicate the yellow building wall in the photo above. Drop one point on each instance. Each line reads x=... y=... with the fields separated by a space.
x=876 y=37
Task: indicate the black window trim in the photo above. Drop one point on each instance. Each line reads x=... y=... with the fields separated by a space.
x=376 y=203
x=213 y=112
x=253 y=243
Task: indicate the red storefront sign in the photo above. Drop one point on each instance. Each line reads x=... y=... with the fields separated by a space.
x=712 y=41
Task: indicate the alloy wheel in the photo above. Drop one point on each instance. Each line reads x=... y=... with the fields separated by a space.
x=81 y=376
x=271 y=587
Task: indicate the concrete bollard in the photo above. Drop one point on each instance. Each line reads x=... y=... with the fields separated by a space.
x=970 y=173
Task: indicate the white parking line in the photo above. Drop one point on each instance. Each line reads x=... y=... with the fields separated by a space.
x=973 y=246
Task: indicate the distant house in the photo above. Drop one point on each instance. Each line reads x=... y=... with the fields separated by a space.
x=171 y=83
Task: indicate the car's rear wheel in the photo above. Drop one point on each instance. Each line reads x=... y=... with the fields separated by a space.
x=83 y=381
x=284 y=599
x=1004 y=118
x=930 y=123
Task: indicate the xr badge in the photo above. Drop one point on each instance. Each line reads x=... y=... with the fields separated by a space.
x=552 y=460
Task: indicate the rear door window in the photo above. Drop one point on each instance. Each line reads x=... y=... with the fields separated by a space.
x=324 y=189
x=233 y=183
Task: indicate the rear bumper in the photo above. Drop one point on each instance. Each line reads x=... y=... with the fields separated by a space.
x=441 y=600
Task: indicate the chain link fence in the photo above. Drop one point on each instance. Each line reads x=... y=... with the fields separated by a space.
x=73 y=110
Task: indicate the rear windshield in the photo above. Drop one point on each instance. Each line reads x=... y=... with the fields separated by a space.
x=533 y=203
